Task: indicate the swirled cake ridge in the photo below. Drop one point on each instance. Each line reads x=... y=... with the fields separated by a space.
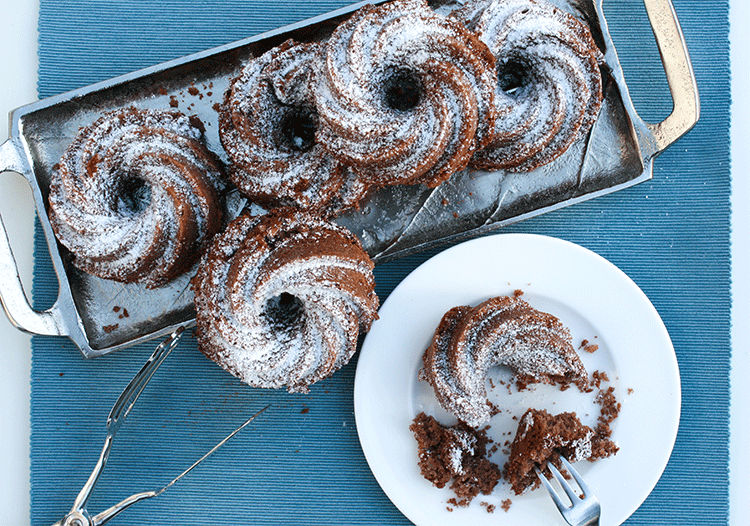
x=406 y=94
x=282 y=298
x=136 y=196
x=503 y=330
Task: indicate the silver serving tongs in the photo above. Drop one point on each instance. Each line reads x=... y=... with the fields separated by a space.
x=78 y=516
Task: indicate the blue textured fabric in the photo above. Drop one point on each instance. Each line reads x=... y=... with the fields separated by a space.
x=302 y=463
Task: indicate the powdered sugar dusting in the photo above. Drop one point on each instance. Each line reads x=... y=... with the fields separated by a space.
x=141 y=236
x=426 y=143
x=500 y=331
x=259 y=261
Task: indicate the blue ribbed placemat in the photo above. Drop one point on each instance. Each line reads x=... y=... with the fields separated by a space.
x=301 y=463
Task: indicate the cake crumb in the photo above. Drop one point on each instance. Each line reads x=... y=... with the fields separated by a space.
x=589 y=347
x=123 y=312
x=505 y=505
x=196 y=122
x=490 y=507
x=455 y=455
x=110 y=328
x=610 y=406
x=597 y=377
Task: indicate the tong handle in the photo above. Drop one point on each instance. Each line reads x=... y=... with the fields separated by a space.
x=107 y=514
x=130 y=394
x=121 y=409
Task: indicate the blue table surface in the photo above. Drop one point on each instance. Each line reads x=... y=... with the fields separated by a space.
x=304 y=464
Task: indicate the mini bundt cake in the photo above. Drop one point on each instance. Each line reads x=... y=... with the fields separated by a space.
x=405 y=95
x=549 y=87
x=281 y=298
x=505 y=331
x=136 y=196
x=267 y=125
x=542 y=437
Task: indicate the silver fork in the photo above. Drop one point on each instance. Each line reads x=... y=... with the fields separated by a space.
x=583 y=510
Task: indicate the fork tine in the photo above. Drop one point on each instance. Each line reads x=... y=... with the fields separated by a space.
x=582 y=511
x=577 y=477
x=564 y=484
x=561 y=505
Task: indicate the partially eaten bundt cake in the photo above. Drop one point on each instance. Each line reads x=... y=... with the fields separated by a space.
x=503 y=330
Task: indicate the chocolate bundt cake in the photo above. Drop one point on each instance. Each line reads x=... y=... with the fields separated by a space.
x=542 y=438
x=405 y=94
x=455 y=455
x=267 y=125
x=504 y=330
x=282 y=298
x=549 y=87
x=136 y=196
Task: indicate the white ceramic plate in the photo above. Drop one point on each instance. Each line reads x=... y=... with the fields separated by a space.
x=596 y=301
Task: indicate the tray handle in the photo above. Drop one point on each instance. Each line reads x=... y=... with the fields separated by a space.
x=679 y=72
x=12 y=296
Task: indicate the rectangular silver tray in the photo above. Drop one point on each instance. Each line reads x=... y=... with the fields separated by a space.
x=392 y=223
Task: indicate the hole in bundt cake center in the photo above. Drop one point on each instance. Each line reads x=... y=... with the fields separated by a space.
x=134 y=195
x=298 y=129
x=512 y=76
x=285 y=312
x=402 y=90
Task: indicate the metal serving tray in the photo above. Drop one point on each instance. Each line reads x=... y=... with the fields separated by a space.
x=391 y=223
